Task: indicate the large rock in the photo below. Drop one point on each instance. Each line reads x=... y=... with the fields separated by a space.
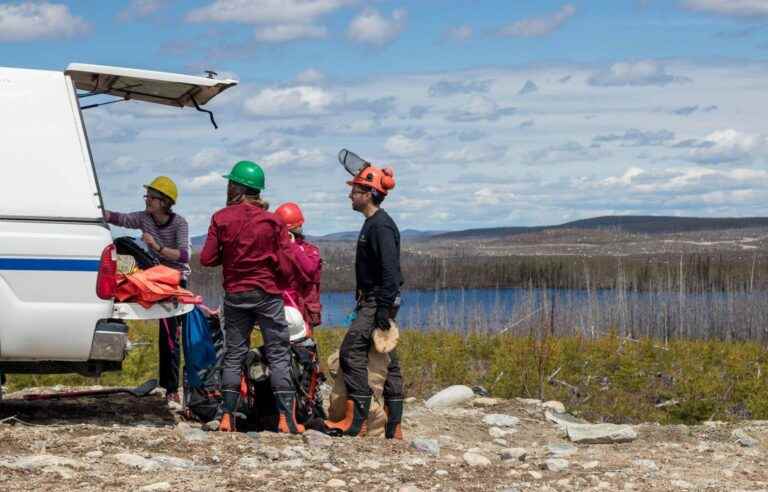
x=501 y=420
x=316 y=439
x=451 y=396
x=429 y=446
x=600 y=433
x=744 y=439
x=560 y=450
x=563 y=419
x=136 y=461
x=556 y=464
x=36 y=461
x=554 y=406
x=476 y=460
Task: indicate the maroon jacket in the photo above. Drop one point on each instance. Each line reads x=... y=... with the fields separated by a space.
x=305 y=290
x=254 y=248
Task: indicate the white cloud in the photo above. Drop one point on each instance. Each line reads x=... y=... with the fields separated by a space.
x=299 y=158
x=29 y=21
x=370 y=27
x=724 y=146
x=738 y=8
x=310 y=76
x=480 y=108
x=641 y=73
x=291 y=101
x=204 y=181
x=459 y=33
x=474 y=154
x=288 y=32
x=138 y=9
x=402 y=145
x=208 y=157
x=563 y=154
x=539 y=26
x=265 y=11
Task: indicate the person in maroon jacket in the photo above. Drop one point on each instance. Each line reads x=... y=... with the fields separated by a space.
x=254 y=248
x=306 y=294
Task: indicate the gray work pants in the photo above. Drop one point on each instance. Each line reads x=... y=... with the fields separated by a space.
x=241 y=312
x=353 y=355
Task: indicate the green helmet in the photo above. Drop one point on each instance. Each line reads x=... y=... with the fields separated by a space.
x=247 y=173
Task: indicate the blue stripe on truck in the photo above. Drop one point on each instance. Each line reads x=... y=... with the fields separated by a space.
x=49 y=264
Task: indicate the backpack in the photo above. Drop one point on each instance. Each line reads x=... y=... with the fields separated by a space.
x=258 y=404
x=126 y=245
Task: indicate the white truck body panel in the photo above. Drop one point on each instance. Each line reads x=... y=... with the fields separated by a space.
x=52 y=233
x=47 y=170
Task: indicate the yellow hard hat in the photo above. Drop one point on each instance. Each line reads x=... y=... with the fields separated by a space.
x=164 y=185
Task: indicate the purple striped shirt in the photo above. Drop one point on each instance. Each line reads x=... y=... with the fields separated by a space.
x=174 y=234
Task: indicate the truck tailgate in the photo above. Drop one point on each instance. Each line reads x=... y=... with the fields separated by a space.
x=129 y=310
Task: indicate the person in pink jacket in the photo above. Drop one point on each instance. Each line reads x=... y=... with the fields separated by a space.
x=306 y=294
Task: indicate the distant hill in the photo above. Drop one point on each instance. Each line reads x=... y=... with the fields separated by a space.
x=412 y=234
x=643 y=224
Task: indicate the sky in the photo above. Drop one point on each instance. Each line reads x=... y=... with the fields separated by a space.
x=491 y=113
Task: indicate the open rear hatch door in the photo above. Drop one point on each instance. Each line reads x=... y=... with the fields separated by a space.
x=166 y=88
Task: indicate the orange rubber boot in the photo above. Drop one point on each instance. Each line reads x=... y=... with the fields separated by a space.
x=227 y=423
x=355 y=421
x=286 y=408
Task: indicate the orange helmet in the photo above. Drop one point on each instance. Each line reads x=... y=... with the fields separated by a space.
x=381 y=180
x=291 y=215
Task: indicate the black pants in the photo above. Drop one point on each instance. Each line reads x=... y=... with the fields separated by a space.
x=169 y=348
x=353 y=356
x=241 y=312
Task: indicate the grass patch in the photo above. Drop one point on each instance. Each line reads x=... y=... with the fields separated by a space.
x=606 y=379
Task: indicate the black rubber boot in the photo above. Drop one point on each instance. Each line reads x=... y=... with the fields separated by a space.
x=356 y=418
x=394 y=410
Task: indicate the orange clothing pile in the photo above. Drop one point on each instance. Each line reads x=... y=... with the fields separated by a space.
x=155 y=284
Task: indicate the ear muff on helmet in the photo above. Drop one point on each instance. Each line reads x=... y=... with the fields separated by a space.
x=388 y=178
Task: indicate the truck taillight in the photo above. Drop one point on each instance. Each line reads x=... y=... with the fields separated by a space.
x=106 y=281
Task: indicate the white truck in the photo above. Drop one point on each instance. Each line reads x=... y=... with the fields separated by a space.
x=57 y=257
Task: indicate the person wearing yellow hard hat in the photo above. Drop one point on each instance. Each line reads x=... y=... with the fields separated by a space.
x=167 y=235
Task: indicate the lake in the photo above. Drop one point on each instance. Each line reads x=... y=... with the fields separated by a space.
x=726 y=315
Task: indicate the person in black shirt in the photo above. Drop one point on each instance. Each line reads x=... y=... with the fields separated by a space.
x=378 y=275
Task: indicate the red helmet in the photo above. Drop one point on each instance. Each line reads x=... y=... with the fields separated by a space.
x=291 y=215
x=381 y=180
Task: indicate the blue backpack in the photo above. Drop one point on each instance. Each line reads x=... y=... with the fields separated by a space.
x=199 y=351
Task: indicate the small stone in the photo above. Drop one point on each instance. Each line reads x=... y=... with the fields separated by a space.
x=535 y=475
x=560 y=450
x=450 y=396
x=497 y=432
x=410 y=399
x=744 y=439
x=429 y=446
x=590 y=465
x=409 y=488
x=331 y=468
x=485 y=402
x=335 y=483
x=371 y=464
x=441 y=473
x=515 y=454
x=649 y=464
x=250 y=462
x=212 y=425
x=554 y=405
x=136 y=461
x=294 y=464
x=681 y=484
x=195 y=435
x=156 y=486
x=529 y=401
x=556 y=464
x=94 y=454
x=269 y=453
x=501 y=442
x=603 y=485
x=316 y=439
x=501 y=420
x=474 y=459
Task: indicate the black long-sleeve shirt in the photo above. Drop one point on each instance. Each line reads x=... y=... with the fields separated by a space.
x=377 y=262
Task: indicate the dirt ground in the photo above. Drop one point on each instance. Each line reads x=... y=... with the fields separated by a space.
x=127 y=443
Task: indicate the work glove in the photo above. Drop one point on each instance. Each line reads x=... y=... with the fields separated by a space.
x=381 y=320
